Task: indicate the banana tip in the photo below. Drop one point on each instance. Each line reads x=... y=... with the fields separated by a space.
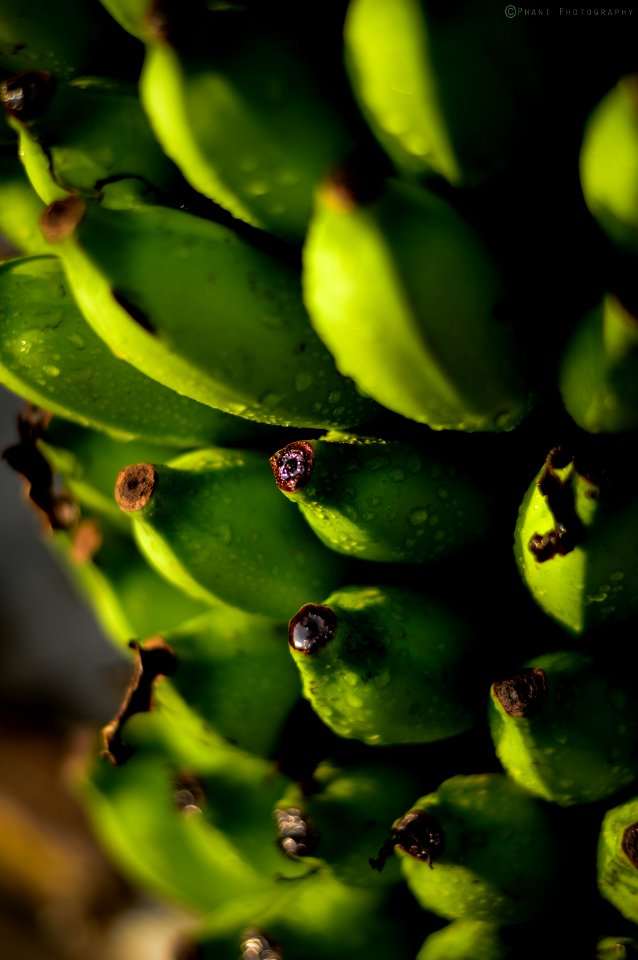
x=61 y=218
x=134 y=486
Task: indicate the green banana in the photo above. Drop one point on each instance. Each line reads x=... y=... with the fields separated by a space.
x=91 y=130
x=64 y=38
x=478 y=848
x=382 y=500
x=597 y=373
x=465 y=940
x=213 y=524
x=384 y=665
x=49 y=354
x=248 y=347
x=341 y=818
x=235 y=672
x=20 y=209
x=234 y=104
x=127 y=597
x=618 y=858
x=575 y=540
x=410 y=303
x=617 y=948
x=609 y=163
x=563 y=730
x=450 y=95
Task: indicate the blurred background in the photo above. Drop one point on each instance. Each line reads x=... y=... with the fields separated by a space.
x=60 y=680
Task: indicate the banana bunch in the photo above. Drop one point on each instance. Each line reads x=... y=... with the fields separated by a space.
x=335 y=439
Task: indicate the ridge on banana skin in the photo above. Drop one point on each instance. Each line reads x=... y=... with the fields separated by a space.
x=408 y=300
x=248 y=348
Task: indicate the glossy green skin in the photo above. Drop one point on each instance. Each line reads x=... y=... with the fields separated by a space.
x=443 y=94
x=234 y=670
x=53 y=358
x=95 y=129
x=499 y=863
x=389 y=501
x=597 y=582
x=248 y=347
x=609 y=164
x=20 y=210
x=465 y=940
x=382 y=284
x=351 y=809
x=598 y=375
x=583 y=744
x=617 y=877
x=245 y=120
x=217 y=528
x=394 y=670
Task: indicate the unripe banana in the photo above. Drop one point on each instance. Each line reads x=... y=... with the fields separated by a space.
x=406 y=297
x=445 y=93
x=382 y=500
x=576 y=542
x=478 y=848
x=126 y=595
x=465 y=940
x=20 y=209
x=384 y=665
x=212 y=523
x=618 y=859
x=247 y=348
x=91 y=129
x=51 y=356
x=342 y=817
x=609 y=163
x=64 y=38
x=617 y=948
x=563 y=730
x=235 y=105
x=598 y=374
x=187 y=815
x=234 y=670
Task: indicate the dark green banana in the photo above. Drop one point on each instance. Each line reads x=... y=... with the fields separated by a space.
x=618 y=858
x=235 y=105
x=408 y=299
x=49 y=354
x=91 y=130
x=248 y=347
x=212 y=523
x=384 y=665
x=445 y=92
x=609 y=163
x=383 y=500
x=563 y=730
x=478 y=848
x=598 y=373
x=576 y=541
x=341 y=818
x=234 y=670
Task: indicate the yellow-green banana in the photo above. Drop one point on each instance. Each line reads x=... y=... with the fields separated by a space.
x=247 y=348
x=411 y=304
x=49 y=354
